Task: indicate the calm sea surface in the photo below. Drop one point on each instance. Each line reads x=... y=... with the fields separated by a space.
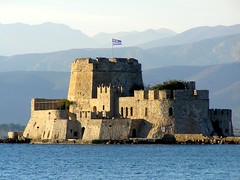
x=25 y=161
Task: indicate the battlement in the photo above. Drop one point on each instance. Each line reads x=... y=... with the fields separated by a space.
x=106 y=64
x=107 y=89
x=171 y=94
x=220 y=112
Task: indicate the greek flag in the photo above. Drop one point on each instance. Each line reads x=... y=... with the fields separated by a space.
x=116 y=42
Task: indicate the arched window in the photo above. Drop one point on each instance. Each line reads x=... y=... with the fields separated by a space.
x=83 y=129
x=170 y=111
x=94 y=109
x=48 y=135
x=146 y=111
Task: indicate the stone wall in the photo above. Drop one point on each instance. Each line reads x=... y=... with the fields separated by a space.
x=46 y=124
x=222 y=121
x=178 y=111
x=191 y=117
x=74 y=130
x=91 y=129
x=113 y=129
x=150 y=106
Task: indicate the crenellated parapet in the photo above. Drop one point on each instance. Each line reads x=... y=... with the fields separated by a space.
x=106 y=64
x=171 y=94
x=108 y=89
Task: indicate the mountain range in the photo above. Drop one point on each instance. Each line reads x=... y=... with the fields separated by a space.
x=21 y=38
x=212 y=51
x=35 y=61
x=194 y=35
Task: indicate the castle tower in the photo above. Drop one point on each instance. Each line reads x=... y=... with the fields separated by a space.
x=87 y=74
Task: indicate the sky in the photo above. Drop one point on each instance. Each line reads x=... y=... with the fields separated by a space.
x=110 y=16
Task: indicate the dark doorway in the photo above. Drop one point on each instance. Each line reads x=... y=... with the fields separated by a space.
x=216 y=127
x=170 y=111
x=134 y=133
x=83 y=129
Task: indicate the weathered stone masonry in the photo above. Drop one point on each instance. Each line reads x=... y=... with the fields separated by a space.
x=104 y=106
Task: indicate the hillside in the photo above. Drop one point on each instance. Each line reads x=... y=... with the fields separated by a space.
x=18 y=88
x=5 y=128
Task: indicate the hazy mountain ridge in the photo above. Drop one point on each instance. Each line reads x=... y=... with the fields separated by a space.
x=47 y=37
x=22 y=38
x=19 y=38
x=18 y=88
x=133 y=38
x=206 y=52
x=194 y=35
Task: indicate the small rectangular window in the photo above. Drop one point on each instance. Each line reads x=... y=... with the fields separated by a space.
x=146 y=111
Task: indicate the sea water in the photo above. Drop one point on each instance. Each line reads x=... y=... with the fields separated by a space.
x=29 y=161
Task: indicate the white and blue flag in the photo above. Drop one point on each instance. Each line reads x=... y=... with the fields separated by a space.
x=116 y=42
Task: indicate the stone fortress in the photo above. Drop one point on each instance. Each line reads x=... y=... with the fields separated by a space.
x=104 y=104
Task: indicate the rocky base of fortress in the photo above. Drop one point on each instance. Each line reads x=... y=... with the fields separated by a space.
x=15 y=141
x=167 y=139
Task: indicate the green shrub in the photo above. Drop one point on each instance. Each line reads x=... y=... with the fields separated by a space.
x=169 y=85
